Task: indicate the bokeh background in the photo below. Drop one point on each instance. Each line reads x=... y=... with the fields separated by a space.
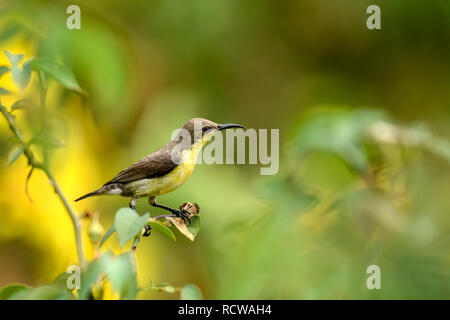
x=364 y=160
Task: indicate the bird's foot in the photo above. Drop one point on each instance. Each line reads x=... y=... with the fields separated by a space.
x=183 y=214
x=132 y=204
x=148 y=231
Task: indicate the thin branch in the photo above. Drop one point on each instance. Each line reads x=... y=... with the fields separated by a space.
x=161 y=288
x=165 y=216
x=43 y=101
x=73 y=216
x=36 y=164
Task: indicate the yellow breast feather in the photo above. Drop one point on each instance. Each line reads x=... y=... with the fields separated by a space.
x=171 y=181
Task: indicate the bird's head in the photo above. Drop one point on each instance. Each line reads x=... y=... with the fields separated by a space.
x=203 y=129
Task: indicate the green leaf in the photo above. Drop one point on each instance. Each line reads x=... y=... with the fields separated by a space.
x=194 y=226
x=91 y=275
x=120 y=270
x=14 y=155
x=122 y=274
x=14 y=59
x=46 y=292
x=21 y=76
x=58 y=72
x=61 y=281
x=46 y=139
x=4 y=91
x=54 y=291
x=108 y=233
x=9 y=291
x=191 y=292
x=165 y=287
x=3 y=70
x=158 y=225
x=128 y=224
x=20 y=105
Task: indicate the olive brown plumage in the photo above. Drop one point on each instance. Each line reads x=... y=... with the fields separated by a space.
x=165 y=169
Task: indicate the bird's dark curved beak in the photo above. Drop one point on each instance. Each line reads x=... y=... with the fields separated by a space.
x=229 y=126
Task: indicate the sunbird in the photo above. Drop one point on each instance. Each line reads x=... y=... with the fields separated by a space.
x=164 y=170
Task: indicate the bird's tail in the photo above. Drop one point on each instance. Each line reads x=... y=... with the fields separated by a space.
x=90 y=194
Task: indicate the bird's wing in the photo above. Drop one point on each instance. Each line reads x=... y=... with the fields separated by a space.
x=154 y=165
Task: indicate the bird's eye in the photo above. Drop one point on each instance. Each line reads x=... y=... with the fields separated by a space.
x=206 y=128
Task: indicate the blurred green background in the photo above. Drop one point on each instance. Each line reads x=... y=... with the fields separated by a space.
x=363 y=117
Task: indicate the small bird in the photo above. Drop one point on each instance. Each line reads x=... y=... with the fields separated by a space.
x=164 y=170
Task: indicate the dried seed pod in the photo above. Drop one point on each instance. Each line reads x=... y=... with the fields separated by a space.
x=190 y=207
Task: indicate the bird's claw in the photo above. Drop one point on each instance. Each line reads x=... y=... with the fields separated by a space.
x=184 y=214
x=148 y=230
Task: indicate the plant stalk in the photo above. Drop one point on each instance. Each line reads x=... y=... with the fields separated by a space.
x=36 y=164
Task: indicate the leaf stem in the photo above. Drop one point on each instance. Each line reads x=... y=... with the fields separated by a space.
x=165 y=216
x=43 y=101
x=73 y=216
